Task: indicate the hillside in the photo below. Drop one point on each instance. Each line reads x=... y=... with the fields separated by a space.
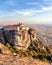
x=44 y=33
x=16 y=60
x=19 y=43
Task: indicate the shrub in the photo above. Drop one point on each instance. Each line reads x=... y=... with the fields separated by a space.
x=8 y=45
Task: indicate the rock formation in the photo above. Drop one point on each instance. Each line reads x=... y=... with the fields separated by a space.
x=4 y=49
x=20 y=38
x=19 y=35
x=1 y=36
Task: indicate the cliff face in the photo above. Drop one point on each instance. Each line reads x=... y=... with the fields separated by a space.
x=23 y=38
x=19 y=35
x=1 y=36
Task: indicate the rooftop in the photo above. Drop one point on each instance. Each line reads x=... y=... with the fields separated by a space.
x=12 y=26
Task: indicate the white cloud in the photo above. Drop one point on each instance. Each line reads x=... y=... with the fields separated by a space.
x=25 y=12
x=30 y=12
x=40 y=4
x=47 y=8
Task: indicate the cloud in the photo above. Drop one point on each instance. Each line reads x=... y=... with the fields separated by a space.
x=47 y=8
x=30 y=12
x=23 y=12
x=26 y=12
x=43 y=3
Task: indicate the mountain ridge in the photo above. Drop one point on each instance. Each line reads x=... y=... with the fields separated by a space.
x=24 y=42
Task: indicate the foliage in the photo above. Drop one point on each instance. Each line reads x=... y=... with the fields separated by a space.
x=33 y=50
x=38 y=52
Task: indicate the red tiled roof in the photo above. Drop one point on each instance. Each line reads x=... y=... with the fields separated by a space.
x=12 y=26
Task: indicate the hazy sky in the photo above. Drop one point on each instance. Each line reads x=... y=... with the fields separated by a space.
x=26 y=11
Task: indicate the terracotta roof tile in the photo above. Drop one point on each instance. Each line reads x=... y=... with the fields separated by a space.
x=12 y=26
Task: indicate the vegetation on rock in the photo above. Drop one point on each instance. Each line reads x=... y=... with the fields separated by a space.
x=33 y=51
x=26 y=39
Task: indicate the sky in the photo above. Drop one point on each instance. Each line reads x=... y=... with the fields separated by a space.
x=26 y=11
